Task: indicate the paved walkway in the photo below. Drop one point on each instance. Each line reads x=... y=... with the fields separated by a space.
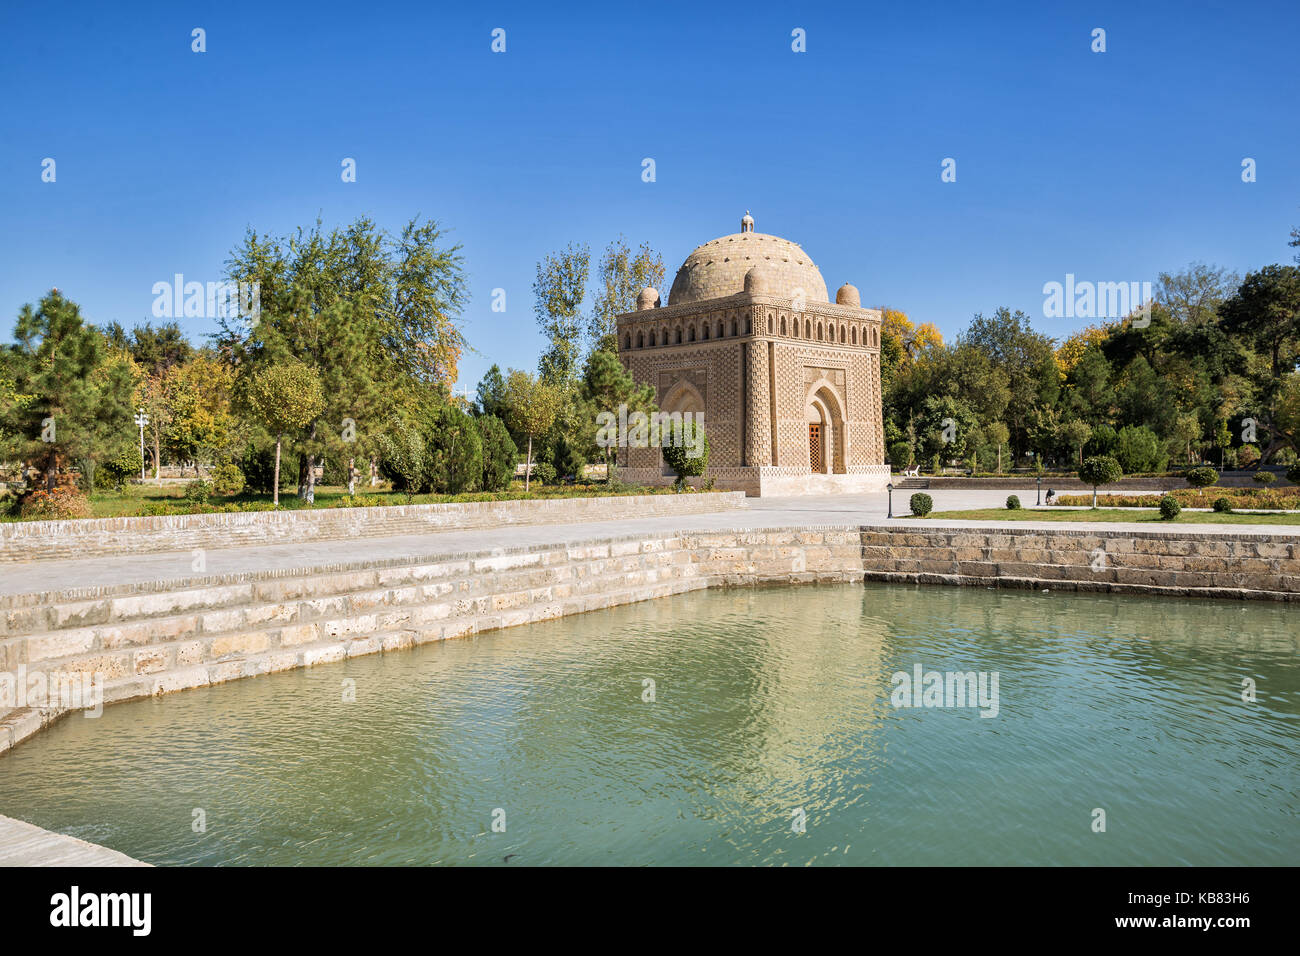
x=22 y=844
x=761 y=513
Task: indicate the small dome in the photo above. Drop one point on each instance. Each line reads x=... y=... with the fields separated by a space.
x=848 y=295
x=648 y=298
x=758 y=281
x=747 y=223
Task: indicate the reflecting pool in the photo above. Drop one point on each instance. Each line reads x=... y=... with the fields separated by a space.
x=747 y=726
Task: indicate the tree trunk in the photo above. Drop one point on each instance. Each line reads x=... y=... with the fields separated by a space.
x=374 y=471
x=1094 y=497
x=528 y=465
x=275 y=486
x=157 y=456
x=309 y=482
x=352 y=477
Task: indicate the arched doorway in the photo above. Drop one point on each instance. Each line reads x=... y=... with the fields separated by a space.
x=682 y=399
x=823 y=413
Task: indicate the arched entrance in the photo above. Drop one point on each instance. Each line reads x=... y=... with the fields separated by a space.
x=823 y=412
x=682 y=399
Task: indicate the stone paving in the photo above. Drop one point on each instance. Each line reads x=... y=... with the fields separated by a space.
x=761 y=513
x=22 y=844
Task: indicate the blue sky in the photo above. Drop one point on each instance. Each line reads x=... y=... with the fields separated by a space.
x=1113 y=166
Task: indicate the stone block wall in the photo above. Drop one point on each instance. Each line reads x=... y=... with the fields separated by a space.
x=161 y=637
x=36 y=540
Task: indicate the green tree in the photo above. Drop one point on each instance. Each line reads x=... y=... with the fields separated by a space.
x=997 y=435
x=531 y=408
x=1187 y=429
x=1099 y=470
x=559 y=290
x=76 y=405
x=284 y=397
x=1222 y=439
x=499 y=453
x=373 y=315
x=455 y=451
x=1194 y=295
x=622 y=275
x=1028 y=360
x=490 y=396
x=402 y=456
x=199 y=420
x=1075 y=433
x=606 y=387
x=1201 y=478
x=1266 y=311
x=1137 y=448
x=690 y=457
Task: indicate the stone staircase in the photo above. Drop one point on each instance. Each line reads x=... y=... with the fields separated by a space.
x=917 y=483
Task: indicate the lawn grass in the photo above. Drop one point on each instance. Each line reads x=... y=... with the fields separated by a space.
x=133 y=500
x=1115 y=515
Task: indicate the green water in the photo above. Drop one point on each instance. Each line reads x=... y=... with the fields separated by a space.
x=766 y=701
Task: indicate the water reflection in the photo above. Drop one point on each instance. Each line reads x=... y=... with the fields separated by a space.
x=765 y=701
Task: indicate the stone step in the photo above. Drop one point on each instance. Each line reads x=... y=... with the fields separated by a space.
x=320 y=608
x=165 y=600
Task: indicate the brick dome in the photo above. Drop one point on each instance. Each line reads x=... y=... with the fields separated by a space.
x=718 y=268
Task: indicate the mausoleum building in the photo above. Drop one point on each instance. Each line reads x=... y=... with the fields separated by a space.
x=788 y=381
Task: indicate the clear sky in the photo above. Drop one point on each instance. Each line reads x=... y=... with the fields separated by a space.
x=1112 y=166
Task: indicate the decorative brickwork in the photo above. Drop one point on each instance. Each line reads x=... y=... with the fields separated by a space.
x=751 y=335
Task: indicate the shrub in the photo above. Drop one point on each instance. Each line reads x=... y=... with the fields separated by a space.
x=900 y=455
x=227 y=479
x=691 y=456
x=1200 y=478
x=568 y=460
x=1223 y=505
x=1137 y=449
x=544 y=472
x=455 y=452
x=499 y=453
x=1169 y=507
x=1099 y=470
x=1293 y=474
x=198 y=491
x=258 y=467
x=118 y=471
x=921 y=504
x=64 y=502
x=1247 y=455
x=936 y=466
x=1264 y=477
x=401 y=455
x=1013 y=503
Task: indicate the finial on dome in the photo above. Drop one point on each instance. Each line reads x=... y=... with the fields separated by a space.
x=747 y=224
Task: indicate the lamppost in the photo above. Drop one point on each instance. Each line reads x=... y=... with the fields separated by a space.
x=1039 y=479
x=890 y=488
x=141 y=419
